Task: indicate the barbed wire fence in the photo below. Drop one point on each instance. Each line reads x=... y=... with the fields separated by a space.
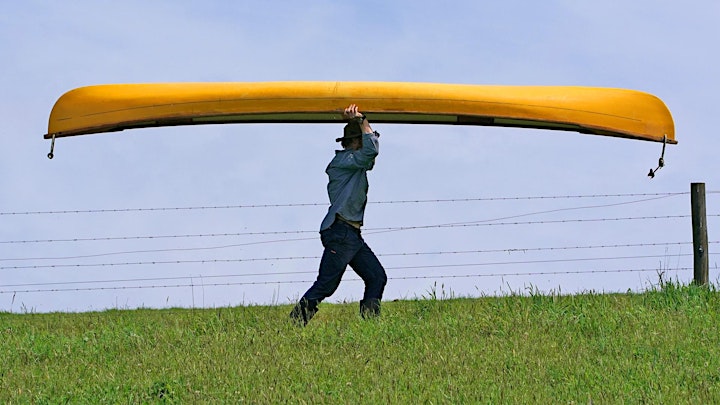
x=26 y=261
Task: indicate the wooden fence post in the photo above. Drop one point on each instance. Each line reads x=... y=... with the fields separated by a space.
x=700 y=238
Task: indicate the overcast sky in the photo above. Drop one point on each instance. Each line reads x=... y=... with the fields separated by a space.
x=272 y=176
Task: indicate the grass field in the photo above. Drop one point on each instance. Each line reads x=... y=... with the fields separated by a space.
x=661 y=346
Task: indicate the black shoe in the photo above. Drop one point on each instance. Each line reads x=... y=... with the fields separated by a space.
x=303 y=312
x=370 y=308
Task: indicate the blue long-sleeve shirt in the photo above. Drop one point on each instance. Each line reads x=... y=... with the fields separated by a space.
x=348 y=185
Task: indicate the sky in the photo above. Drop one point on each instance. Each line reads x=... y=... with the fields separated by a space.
x=226 y=215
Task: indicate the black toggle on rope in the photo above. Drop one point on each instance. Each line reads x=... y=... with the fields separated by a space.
x=661 y=161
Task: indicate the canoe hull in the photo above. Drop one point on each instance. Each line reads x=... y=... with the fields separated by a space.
x=602 y=111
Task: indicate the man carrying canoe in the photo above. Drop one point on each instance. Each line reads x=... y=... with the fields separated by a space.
x=340 y=229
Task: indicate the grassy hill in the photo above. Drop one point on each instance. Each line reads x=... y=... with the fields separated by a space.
x=661 y=346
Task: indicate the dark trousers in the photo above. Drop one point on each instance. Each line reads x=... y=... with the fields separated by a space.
x=345 y=246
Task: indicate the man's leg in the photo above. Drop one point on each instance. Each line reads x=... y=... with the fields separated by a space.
x=340 y=246
x=331 y=270
x=368 y=267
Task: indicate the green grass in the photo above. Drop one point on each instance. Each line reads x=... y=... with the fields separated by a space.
x=660 y=346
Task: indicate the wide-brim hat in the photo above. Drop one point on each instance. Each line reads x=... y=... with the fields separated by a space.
x=351 y=130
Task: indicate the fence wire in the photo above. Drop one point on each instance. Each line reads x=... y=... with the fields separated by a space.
x=56 y=261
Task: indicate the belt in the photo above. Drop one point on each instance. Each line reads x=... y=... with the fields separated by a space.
x=354 y=224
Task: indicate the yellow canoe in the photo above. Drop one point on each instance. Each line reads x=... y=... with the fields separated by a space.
x=601 y=111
